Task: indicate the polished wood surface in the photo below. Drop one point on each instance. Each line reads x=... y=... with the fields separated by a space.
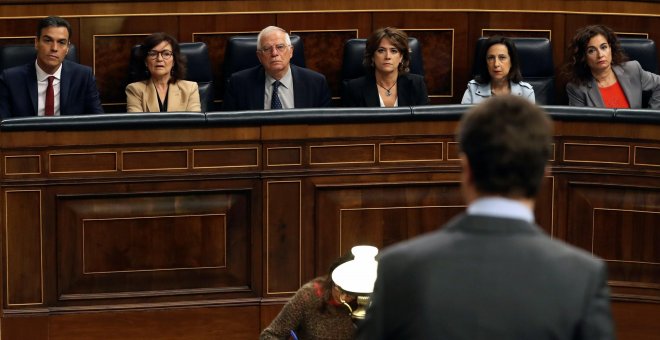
x=157 y=231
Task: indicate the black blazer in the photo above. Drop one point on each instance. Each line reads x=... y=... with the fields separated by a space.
x=245 y=90
x=363 y=91
x=78 y=92
x=483 y=277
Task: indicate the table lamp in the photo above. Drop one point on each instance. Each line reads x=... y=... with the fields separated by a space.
x=357 y=277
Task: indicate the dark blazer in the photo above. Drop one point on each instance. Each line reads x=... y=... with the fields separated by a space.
x=363 y=91
x=78 y=92
x=484 y=277
x=245 y=90
x=633 y=80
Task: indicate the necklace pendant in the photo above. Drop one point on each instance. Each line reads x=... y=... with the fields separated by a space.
x=388 y=93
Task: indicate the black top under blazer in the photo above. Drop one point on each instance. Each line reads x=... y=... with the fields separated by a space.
x=363 y=91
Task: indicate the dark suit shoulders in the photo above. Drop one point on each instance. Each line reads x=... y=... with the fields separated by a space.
x=360 y=92
x=245 y=90
x=18 y=91
x=305 y=72
x=249 y=74
x=310 y=88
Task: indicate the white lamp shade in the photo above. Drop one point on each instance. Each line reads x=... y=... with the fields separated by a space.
x=358 y=275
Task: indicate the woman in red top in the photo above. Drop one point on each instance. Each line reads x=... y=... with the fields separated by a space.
x=600 y=76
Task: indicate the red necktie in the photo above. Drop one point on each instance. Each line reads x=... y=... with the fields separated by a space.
x=50 y=98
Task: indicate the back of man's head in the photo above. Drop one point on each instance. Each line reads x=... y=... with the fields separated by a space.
x=53 y=22
x=507 y=142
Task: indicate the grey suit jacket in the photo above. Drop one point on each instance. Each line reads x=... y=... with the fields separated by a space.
x=490 y=278
x=633 y=80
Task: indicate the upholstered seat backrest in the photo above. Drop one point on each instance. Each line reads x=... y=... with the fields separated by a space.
x=536 y=65
x=644 y=51
x=15 y=55
x=198 y=70
x=241 y=54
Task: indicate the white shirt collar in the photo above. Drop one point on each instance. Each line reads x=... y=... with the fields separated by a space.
x=286 y=81
x=43 y=76
x=501 y=207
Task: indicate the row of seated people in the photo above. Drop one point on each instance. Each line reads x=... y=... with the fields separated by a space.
x=391 y=74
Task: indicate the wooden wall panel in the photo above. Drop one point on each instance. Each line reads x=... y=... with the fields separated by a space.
x=23 y=239
x=144 y=245
x=603 y=219
x=238 y=322
x=349 y=214
x=632 y=320
x=283 y=241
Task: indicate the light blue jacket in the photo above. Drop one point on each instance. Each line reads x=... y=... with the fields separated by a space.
x=477 y=93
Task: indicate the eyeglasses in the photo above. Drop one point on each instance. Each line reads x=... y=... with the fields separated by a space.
x=165 y=54
x=279 y=47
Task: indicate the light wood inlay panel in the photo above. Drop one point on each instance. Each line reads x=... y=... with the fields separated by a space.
x=226 y=158
x=627 y=235
x=647 y=156
x=596 y=153
x=153 y=244
x=119 y=244
x=155 y=160
x=83 y=162
x=411 y=152
x=342 y=154
x=23 y=165
x=453 y=151
x=619 y=223
x=284 y=156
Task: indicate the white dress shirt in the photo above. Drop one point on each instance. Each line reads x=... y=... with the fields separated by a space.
x=500 y=207
x=42 y=85
x=284 y=91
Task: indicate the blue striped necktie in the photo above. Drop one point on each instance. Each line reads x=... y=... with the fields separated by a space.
x=275 y=102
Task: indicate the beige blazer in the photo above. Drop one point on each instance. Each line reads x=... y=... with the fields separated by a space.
x=182 y=96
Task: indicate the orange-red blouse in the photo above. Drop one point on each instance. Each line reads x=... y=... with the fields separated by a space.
x=613 y=96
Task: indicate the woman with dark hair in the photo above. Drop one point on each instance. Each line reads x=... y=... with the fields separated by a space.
x=163 y=88
x=498 y=73
x=316 y=311
x=599 y=75
x=387 y=82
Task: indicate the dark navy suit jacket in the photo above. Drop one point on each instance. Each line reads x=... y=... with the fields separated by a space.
x=363 y=91
x=246 y=88
x=78 y=92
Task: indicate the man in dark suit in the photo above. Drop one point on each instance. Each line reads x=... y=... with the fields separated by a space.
x=491 y=273
x=275 y=84
x=50 y=86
